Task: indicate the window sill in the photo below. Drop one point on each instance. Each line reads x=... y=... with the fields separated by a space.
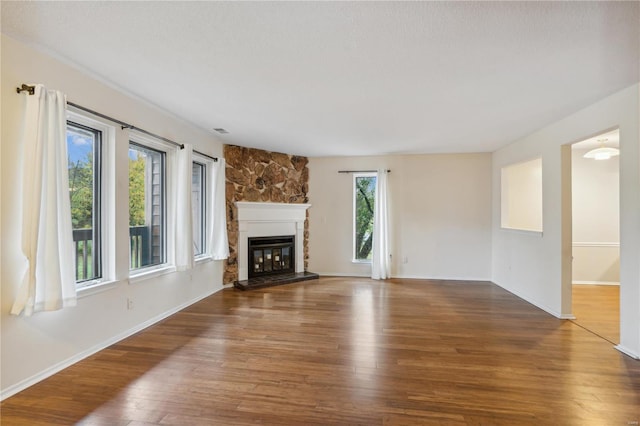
x=522 y=231
x=95 y=288
x=365 y=262
x=146 y=274
x=203 y=259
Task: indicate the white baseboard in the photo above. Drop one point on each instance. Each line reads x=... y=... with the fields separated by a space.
x=417 y=277
x=627 y=352
x=596 y=283
x=408 y=277
x=343 y=274
x=48 y=372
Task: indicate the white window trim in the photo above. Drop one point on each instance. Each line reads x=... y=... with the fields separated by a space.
x=353 y=214
x=107 y=198
x=99 y=287
x=203 y=258
x=149 y=272
x=170 y=158
x=208 y=164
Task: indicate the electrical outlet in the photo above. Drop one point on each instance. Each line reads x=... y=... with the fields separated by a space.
x=129 y=303
x=405 y=259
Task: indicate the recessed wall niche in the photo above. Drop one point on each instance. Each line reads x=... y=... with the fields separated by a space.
x=521 y=196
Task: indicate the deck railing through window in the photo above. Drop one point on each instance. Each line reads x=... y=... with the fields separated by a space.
x=139 y=240
x=83 y=244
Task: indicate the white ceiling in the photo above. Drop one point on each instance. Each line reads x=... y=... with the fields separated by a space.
x=609 y=139
x=349 y=78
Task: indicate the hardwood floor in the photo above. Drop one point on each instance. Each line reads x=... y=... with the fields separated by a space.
x=597 y=308
x=347 y=351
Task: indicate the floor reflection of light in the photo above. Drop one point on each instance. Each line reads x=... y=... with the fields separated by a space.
x=363 y=334
x=140 y=400
x=299 y=294
x=267 y=301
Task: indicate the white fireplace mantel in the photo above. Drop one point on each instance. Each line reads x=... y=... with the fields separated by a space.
x=269 y=220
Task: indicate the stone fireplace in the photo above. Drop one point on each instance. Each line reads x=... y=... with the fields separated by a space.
x=274 y=221
x=254 y=175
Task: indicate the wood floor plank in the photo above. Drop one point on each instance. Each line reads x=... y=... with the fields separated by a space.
x=597 y=308
x=346 y=351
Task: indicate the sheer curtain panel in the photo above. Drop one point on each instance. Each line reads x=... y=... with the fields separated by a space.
x=380 y=265
x=217 y=236
x=47 y=237
x=183 y=211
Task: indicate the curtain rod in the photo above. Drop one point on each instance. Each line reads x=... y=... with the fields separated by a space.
x=123 y=125
x=361 y=171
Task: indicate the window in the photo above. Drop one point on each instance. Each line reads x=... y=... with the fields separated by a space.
x=364 y=192
x=84 y=146
x=521 y=196
x=147 y=206
x=198 y=202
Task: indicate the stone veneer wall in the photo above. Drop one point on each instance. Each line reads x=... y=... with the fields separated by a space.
x=257 y=175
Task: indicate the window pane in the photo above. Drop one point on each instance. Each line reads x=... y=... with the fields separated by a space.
x=365 y=191
x=147 y=210
x=83 y=149
x=198 y=207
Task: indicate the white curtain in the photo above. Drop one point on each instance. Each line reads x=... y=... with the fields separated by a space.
x=183 y=212
x=47 y=236
x=216 y=210
x=380 y=264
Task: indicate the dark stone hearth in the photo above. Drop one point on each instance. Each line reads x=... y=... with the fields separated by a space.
x=269 y=281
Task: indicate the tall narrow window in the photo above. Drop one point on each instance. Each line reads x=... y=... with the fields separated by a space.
x=198 y=204
x=364 y=191
x=147 y=206
x=84 y=148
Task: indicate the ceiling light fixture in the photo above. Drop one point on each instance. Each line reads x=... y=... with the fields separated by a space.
x=602 y=153
x=221 y=130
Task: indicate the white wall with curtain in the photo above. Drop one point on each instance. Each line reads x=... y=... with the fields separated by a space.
x=381 y=262
x=439 y=215
x=49 y=279
x=37 y=346
x=217 y=238
x=183 y=211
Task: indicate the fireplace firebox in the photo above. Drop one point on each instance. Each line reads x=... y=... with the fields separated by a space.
x=271 y=255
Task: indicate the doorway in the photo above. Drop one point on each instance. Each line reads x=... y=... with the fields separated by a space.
x=595 y=269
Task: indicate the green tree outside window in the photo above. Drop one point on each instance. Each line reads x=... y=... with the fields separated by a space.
x=365 y=191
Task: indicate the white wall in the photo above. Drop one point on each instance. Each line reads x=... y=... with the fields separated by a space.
x=35 y=347
x=595 y=187
x=537 y=266
x=440 y=213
